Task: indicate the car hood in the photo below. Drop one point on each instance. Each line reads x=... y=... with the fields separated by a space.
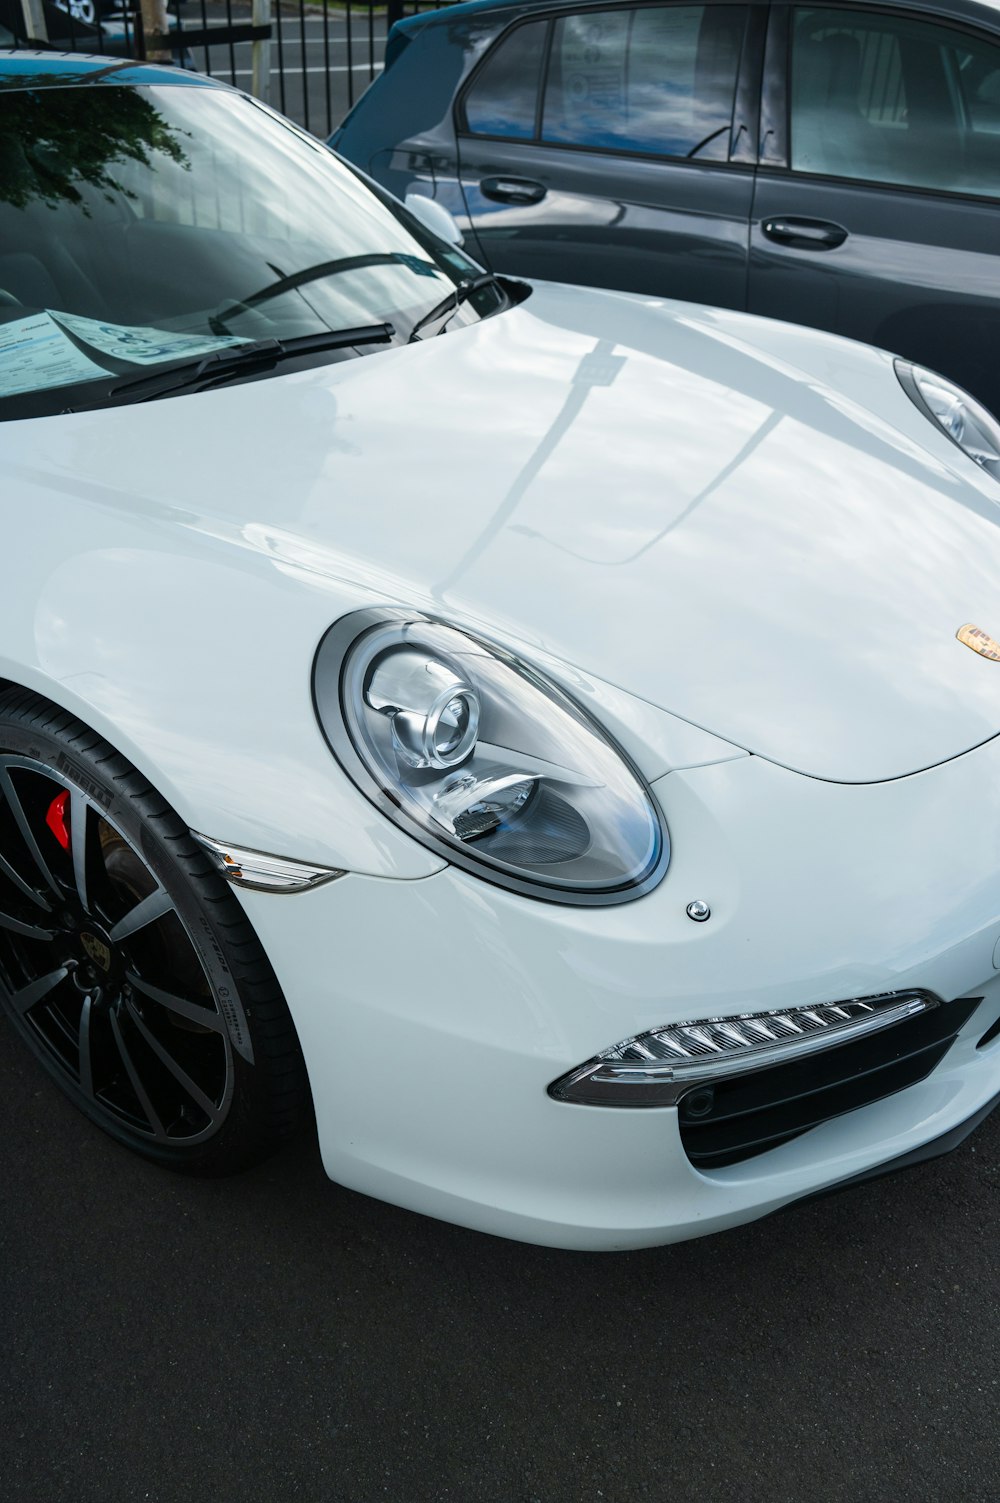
x=744 y=523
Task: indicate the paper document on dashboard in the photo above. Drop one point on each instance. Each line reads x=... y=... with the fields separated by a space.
x=142 y=345
x=35 y=353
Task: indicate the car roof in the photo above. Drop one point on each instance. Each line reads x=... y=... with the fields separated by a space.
x=970 y=10
x=39 y=70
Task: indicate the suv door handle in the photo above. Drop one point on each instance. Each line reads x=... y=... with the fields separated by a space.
x=805 y=234
x=513 y=190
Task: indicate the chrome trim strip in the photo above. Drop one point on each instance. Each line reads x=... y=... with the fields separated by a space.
x=263 y=872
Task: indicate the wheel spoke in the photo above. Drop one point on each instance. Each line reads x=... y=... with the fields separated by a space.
x=78 y=841
x=27 y=931
x=147 y=912
x=21 y=819
x=37 y=989
x=193 y=1011
x=152 y=1115
x=154 y=1061
x=177 y=1071
x=86 y=1066
x=24 y=887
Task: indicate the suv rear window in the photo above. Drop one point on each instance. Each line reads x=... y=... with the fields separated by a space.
x=503 y=100
x=658 y=80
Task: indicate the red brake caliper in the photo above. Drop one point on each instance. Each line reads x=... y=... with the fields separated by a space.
x=56 y=819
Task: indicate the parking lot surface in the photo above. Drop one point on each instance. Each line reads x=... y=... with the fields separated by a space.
x=320 y=62
x=274 y=1337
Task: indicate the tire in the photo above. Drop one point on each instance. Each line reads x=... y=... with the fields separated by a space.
x=165 y=1026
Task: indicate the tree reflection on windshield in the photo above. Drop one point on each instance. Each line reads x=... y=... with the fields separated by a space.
x=161 y=226
x=46 y=151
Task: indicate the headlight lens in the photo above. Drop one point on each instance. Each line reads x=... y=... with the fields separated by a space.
x=486 y=761
x=967 y=422
x=434 y=714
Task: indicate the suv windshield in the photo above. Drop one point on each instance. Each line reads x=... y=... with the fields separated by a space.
x=147 y=230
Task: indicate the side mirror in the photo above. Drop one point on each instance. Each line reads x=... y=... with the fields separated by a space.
x=434 y=217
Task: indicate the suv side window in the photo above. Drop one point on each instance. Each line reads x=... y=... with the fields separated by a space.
x=503 y=99
x=890 y=99
x=657 y=80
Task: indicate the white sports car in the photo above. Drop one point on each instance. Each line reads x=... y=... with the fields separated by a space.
x=558 y=730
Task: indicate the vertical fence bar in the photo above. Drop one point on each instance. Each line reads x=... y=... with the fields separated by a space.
x=326 y=65
x=128 y=31
x=371 y=39
x=260 y=53
x=281 y=56
x=204 y=23
x=139 y=35
x=350 y=55
x=305 y=75
x=232 y=49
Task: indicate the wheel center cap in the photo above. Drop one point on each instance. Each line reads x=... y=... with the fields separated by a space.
x=94 y=960
x=96 y=950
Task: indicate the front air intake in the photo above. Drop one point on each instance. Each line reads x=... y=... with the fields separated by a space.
x=741 y=1118
x=748 y=1083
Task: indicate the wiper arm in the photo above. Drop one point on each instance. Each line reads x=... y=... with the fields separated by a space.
x=455 y=299
x=261 y=354
x=316 y=273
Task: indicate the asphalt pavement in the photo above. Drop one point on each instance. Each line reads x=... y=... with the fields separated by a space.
x=274 y=1337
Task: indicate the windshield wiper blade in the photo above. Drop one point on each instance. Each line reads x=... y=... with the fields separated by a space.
x=455 y=299
x=336 y=268
x=240 y=360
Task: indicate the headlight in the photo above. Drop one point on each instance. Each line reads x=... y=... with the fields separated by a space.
x=967 y=422
x=485 y=761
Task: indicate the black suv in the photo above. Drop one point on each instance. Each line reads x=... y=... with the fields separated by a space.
x=836 y=165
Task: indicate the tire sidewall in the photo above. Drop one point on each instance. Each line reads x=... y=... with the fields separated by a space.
x=147 y=823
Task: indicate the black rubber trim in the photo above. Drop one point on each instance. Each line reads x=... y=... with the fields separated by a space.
x=818 y=1107
x=935 y=1149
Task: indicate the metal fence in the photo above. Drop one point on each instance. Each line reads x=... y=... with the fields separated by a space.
x=309 y=58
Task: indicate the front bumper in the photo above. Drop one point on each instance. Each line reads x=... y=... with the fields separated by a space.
x=434 y=1014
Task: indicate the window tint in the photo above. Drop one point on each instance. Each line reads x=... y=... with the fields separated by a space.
x=894 y=100
x=503 y=98
x=657 y=80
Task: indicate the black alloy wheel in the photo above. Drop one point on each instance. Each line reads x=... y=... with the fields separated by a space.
x=126 y=963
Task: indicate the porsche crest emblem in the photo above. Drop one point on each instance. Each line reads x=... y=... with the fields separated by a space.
x=97 y=950
x=979 y=641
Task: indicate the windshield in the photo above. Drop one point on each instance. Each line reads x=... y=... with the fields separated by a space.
x=146 y=229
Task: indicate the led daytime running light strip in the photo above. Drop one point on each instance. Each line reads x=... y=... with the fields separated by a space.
x=656 y=1068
